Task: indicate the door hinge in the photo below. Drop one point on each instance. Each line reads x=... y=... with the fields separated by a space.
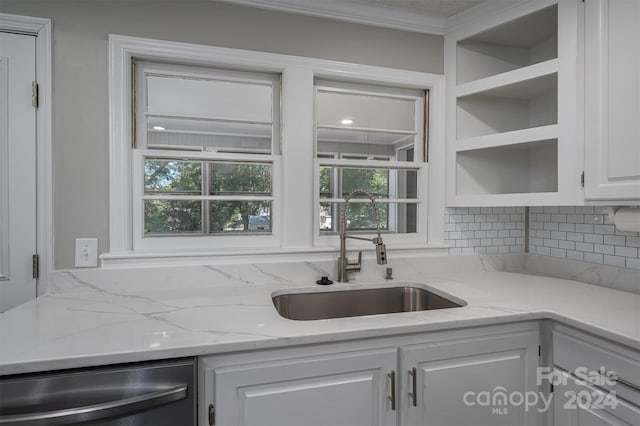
x=551 y=388
x=212 y=415
x=35 y=94
x=582 y=179
x=35 y=264
x=539 y=350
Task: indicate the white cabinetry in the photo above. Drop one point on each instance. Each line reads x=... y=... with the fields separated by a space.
x=451 y=378
x=337 y=389
x=511 y=106
x=597 y=382
x=368 y=383
x=612 y=100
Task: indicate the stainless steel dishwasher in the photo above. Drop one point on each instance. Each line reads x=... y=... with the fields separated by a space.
x=146 y=394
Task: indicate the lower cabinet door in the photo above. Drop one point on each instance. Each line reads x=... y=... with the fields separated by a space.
x=479 y=381
x=348 y=389
x=576 y=403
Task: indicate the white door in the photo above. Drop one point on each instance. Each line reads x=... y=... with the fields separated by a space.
x=17 y=169
x=462 y=382
x=612 y=100
x=350 y=389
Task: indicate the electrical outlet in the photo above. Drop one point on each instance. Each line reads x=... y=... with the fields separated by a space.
x=86 y=252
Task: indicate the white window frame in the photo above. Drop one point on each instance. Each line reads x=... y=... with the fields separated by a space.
x=141 y=151
x=295 y=196
x=393 y=165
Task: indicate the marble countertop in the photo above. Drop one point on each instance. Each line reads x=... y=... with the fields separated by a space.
x=101 y=316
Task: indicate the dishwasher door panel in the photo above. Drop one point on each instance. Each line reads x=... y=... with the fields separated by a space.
x=159 y=394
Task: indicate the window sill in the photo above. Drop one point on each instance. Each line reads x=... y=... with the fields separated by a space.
x=167 y=258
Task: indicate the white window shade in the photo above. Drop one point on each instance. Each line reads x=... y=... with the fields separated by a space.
x=208 y=99
x=368 y=112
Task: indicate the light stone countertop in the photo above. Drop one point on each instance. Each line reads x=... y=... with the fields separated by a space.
x=107 y=316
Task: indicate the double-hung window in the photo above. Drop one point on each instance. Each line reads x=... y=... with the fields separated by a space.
x=223 y=153
x=206 y=152
x=370 y=138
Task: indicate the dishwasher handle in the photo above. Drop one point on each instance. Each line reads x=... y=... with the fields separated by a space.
x=98 y=411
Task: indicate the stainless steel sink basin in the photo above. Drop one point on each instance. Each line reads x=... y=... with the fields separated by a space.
x=304 y=306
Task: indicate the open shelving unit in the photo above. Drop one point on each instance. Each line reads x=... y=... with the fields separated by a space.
x=509 y=129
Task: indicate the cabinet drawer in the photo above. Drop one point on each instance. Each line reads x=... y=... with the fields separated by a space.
x=585 y=356
x=576 y=404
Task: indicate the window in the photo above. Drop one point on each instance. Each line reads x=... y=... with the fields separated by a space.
x=205 y=146
x=219 y=152
x=366 y=139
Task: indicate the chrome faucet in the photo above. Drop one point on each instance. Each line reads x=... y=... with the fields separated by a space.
x=344 y=267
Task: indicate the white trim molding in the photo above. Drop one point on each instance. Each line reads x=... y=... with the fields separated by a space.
x=41 y=28
x=357 y=12
x=4 y=169
x=298 y=74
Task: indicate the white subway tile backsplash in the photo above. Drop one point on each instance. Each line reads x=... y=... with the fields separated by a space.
x=584 y=246
x=604 y=249
x=485 y=230
x=633 y=241
x=585 y=235
x=626 y=251
x=574 y=236
x=632 y=263
x=572 y=232
x=594 y=238
x=616 y=240
x=575 y=255
x=603 y=229
x=569 y=245
x=614 y=261
x=575 y=218
x=593 y=258
x=566 y=227
x=588 y=228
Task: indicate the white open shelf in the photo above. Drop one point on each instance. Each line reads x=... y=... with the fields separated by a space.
x=516 y=106
x=530 y=167
x=508 y=138
x=516 y=44
x=527 y=79
x=512 y=106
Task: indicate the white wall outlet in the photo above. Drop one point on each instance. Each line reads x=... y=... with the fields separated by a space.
x=86 y=252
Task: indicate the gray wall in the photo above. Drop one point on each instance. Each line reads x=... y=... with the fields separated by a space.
x=80 y=115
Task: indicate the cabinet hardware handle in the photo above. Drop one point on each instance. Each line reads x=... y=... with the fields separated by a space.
x=413 y=394
x=614 y=376
x=212 y=415
x=392 y=398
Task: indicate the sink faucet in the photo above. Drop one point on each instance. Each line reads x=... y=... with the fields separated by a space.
x=344 y=267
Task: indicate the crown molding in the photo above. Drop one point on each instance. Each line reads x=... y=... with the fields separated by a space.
x=355 y=12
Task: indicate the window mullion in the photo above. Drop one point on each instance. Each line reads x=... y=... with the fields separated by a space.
x=206 y=204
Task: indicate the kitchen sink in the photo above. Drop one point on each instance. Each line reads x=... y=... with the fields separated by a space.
x=355 y=302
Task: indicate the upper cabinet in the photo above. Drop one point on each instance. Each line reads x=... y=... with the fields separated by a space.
x=512 y=96
x=612 y=100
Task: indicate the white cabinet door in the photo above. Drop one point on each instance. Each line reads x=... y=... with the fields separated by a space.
x=575 y=403
x=612 y=100
x=460 y=382
x=17 y=169
x=349 y=389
